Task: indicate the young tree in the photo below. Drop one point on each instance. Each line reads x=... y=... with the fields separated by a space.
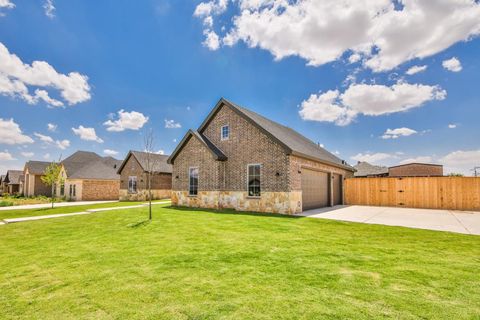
x=51 y=177
x=151 y=164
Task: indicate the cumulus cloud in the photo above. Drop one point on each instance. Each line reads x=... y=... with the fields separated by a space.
x=420 y=159
x=126 y=121
x=171 y=124
x=27 y=154
x=375 y=158
x=5 y=4
x=461 y=161
x=452 y=126
x=10 y=133
x=16 y=76
x=51 y=127
x=6 y=156
x=367 y=99
x=212 y=41
x=416 y=69
x=49 y=9
x=46 y=156
x=321 y=31
x=110 y=152
x=452 y=64
x=87 y=134
x=399 y=132
x=44 y=138
x=61 y=144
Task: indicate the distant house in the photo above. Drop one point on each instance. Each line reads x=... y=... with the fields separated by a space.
x=88 y=176
x=2 y=177
x=33 y=185
x=416 y=170
x=133 y=176
x=13 y=181
x=365 y=169
x=239 y=159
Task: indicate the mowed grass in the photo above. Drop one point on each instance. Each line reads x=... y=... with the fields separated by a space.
x=20 y=213
x=196 y=264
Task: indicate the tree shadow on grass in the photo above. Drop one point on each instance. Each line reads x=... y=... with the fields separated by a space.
x=235 y=212
x=138 y=224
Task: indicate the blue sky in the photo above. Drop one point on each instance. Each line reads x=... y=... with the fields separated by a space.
x=342 y=82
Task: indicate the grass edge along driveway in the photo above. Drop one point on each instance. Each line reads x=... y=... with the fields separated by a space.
x=200 y=264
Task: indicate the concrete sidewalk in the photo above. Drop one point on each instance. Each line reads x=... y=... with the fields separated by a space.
x=56 y=205
x=467 y=222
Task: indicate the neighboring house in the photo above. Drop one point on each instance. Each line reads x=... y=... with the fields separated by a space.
x=133 y=176
x=33 y=185
x=239 y=159
x=88 y=176
x=2 y=177
x=365 y=169
x=13 y=180
x=416 y=170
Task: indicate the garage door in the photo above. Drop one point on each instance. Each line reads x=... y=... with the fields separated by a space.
x=314 y=189
x=337 y=189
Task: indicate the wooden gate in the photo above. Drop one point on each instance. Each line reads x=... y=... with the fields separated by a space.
x=454 y=193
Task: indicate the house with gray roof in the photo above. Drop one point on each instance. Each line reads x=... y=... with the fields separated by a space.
x=2 y=177
x=134 y=176
x=87 y=176
x=239 y=159
x=33 y=184
x=13 y=182
x=365 y=169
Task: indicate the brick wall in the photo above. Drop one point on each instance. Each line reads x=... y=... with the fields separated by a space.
x=416 y=170
x=100 y=190
x=40 y=188
x=160 y=181
x=248 y=145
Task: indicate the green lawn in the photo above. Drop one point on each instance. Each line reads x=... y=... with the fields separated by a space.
x=19 y=213
x=190 y=264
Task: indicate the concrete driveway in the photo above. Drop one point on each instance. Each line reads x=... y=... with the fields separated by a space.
x=441 y=220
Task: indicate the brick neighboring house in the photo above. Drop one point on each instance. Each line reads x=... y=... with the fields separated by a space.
x=88 y=176
x=133 y=176
x=33 y=185
x=239 y=159
x=2 y=177
x=13 y=182
x=416 y=170
x=365 y=169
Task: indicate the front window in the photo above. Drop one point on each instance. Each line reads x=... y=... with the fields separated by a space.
x=193 y=181
x=254 y=180
x=225 y=132
x=132 y=184
x=62 y=190
x=72 y=191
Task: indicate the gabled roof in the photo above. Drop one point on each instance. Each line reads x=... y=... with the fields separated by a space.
x=365 y=169
x=159 y=161
x=14 y=176
x=293 y=142
x=217 y=153
x=89 y=165
x=36 y=167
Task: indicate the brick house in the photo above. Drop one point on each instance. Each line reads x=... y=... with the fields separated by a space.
x=416 y=170
x=365 y=169
x=33 y=184
x=13 y=182
x=88 y=176
x=239 y=159
x=133 y=176
x=2 y=177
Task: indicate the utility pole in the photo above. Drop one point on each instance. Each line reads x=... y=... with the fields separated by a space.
x=476 y=171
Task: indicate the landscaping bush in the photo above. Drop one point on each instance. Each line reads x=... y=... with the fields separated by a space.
x=4 y=203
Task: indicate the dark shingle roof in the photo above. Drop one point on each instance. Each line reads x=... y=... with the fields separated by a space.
x=294 y=142
x=159 y=161
x=36 y=167
x=14 y=176
x=89 y=165
x=217 y=153
x=365 y=169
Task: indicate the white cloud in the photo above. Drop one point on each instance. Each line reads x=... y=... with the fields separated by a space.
x=110 y=152
x=452 y=126
x=46 y=156
x=379 y=31
x=212 y=41
x=372 y=157
x=126 y=120
x=87 y=134
x=171 y=124
x=452 y=64
x=416 y=69
x=461 y=161
x=353 y=58
x=160 y=152
x=49 y=8
x=399 y=132
x=27 y=154
x=51 y=127
x=5 y=4
x=61 y=144
x=366 y=99
x=420 y=159
x=16 y=76
x=6 y=156
x=10 y=133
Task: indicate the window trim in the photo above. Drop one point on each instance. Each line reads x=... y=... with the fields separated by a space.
x=131 y=191
x=198 y=181
x=221 y=132
x=261 y=177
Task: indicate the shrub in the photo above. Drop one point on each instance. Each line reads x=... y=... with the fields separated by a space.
x=4 y=203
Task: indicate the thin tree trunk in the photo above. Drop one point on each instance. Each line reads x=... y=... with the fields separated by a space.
x=150 y=195
x=53 y=195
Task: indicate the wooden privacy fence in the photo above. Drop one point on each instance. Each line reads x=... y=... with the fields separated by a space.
x=454 y=193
